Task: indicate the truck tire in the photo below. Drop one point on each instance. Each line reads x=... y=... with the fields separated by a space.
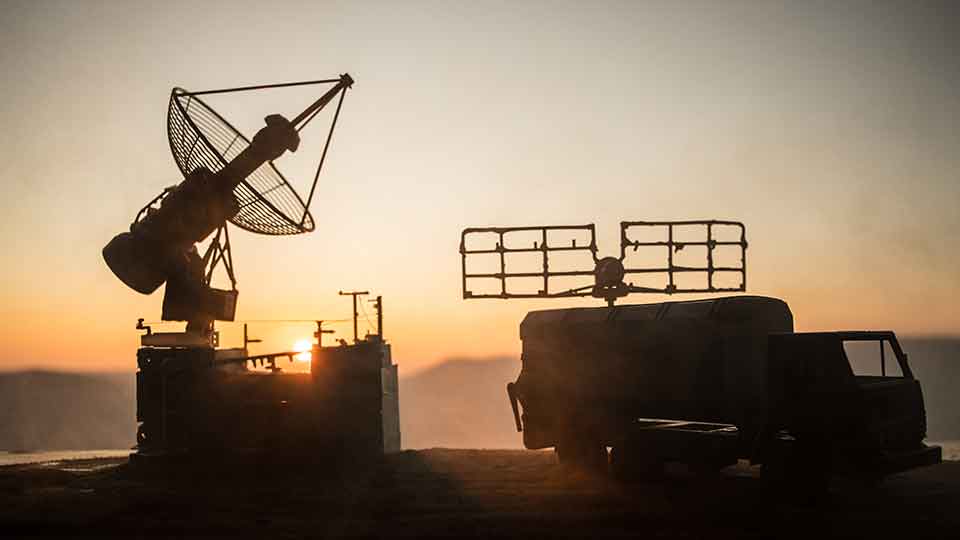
x=794 y=473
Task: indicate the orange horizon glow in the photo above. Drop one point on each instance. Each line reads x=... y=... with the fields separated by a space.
x=303 y=346
x=833 y=140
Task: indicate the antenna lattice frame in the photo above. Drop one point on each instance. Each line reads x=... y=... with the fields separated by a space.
x=200 y=137
x=611 y=275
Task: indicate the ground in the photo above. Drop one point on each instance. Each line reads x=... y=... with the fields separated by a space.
x=453 y=493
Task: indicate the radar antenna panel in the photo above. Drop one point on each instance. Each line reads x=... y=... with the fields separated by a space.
x=650 y=260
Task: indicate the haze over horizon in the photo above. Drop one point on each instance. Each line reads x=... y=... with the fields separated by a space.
x=828 y=128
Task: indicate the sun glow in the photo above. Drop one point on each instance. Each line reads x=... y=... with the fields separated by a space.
x=302 y=346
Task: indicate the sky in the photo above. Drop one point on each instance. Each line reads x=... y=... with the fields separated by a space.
x=828 y=128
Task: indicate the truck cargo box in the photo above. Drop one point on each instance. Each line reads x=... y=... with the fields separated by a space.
x=701 y=360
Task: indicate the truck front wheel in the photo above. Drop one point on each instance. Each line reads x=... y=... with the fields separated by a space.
x=794 y=472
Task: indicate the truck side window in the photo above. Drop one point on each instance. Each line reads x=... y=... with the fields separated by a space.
x=866 y=359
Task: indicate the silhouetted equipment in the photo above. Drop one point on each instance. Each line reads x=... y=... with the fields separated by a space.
x=378 y=305
x=320 y=332
x=354 y=295
x=228 y=177
x=608 y=273
x=195 y=397
x=205 y=401
x=708 y=382
x=247 y=340
x=703 y=382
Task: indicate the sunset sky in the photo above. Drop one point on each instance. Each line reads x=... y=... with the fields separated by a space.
x=829 y=128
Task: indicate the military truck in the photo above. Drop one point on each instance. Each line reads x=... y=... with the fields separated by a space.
x=710 y=382
x=703 y=382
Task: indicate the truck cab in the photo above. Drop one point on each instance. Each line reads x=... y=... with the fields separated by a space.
x=850 y=401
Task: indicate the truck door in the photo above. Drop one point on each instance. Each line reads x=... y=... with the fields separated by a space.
x=893 y=413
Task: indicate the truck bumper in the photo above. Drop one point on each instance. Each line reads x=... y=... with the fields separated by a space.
x=895 y=462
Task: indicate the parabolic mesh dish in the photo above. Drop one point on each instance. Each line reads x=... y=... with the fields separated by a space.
x=201 y=137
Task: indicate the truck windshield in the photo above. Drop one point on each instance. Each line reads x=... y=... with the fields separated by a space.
x=874 y=358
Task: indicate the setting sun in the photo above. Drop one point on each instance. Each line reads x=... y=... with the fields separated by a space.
x=302 y=346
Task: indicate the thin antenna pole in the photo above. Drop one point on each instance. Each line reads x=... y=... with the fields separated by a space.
x=323 y=156
x=320 y=332
x=345 y=82
x=378 y=305
x=317 y=111
x=380 y=317
x=246 y=338
x=354 y=294
x=259 y=87
x=228 y=259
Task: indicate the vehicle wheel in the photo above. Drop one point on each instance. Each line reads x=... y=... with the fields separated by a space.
x=793 y=474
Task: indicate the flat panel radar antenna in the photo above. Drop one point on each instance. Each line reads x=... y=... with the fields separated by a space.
x=227 y=177
x=666 y=257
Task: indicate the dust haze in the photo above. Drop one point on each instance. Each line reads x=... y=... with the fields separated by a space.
x=459 y=403
x=43 y=410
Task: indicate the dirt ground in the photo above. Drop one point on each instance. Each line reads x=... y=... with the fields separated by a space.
x=453 y=493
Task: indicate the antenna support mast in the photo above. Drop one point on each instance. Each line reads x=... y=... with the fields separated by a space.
x=378 y=305
x=354 y=294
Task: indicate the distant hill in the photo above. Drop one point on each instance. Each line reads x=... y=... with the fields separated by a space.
x=42 y=410
x=460 y=403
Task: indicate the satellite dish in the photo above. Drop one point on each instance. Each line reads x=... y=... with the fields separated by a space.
x=227 y=177
x=201 y=137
